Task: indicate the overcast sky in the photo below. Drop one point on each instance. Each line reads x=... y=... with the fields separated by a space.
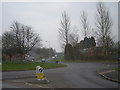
x=44 y=17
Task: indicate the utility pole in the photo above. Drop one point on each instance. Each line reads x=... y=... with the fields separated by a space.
x=49 y=47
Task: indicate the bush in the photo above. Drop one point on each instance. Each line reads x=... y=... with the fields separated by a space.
x=68 y=52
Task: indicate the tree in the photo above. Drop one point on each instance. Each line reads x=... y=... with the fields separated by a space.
x=118 y=48
x=0 y=47
x=87 y=43
x=85 y=24
x=21 y=39
x=8 y=44
x=64 y=30
x=92 y=42
x=104 y=24
x=69 y=52
x=73 y=37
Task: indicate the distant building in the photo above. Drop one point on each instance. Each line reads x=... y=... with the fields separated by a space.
x=95 y=52
x=59 y=55
x=13 y=57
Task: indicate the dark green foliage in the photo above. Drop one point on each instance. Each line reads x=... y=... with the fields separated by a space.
x=74 y=52
x=68 y=52
x=87 y=43
x=92 y=41
x=81 y=44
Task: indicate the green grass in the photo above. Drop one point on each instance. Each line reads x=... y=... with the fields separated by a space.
x=60 y=59
x=85 y=61
x=118 y=69
x=15 y=66
x=0 y=67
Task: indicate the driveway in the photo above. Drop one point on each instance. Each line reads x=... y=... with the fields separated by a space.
x=76 y=75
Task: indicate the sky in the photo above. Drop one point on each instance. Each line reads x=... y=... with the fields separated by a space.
x=44 y=17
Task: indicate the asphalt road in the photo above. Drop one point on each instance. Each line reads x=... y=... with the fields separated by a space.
x=76 y=75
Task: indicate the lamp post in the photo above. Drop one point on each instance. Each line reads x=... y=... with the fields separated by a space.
x=49 y=48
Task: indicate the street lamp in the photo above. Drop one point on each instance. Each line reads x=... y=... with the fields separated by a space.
x=49 y=47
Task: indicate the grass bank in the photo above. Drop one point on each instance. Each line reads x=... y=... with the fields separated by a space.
x=83 y=61
x=16 y=66
x=118 y=69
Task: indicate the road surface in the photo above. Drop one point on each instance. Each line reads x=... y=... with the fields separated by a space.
x=76 y=75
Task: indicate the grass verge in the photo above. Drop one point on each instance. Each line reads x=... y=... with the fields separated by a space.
x=118 y=69
x=16 y=66
x=83 y=61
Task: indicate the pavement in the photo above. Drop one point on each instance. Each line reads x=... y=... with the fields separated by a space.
x=0 y=80
x=110 y=73
x=76 y=75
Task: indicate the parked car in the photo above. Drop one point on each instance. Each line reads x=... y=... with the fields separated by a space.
x=57 y=61
x=43 y=60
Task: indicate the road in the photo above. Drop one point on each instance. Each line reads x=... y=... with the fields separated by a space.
x=76 y=75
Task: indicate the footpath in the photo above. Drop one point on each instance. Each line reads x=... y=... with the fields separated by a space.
x=110 y=73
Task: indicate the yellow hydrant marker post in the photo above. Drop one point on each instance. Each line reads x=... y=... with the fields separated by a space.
x=39 y=73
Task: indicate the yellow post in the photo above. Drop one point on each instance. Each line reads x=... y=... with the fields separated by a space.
x=39 y=73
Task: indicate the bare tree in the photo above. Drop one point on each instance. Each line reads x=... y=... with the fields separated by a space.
x=104 y=24
x=8 y=44
x=21 y=37
x=85 y=24
x=74 y=37
x=0 y=46
x=64 y=29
